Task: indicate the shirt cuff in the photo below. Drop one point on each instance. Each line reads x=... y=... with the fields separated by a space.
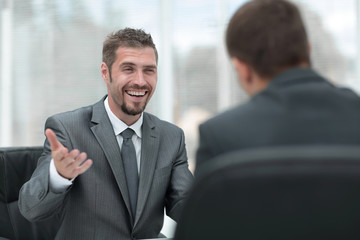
x=58 y=183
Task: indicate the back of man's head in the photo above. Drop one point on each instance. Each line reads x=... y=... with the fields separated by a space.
x=269 y=35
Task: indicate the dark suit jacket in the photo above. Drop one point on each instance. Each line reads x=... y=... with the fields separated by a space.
x=97 y=205
x=298 y=107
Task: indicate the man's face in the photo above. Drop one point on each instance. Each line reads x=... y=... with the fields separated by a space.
x=131 y=81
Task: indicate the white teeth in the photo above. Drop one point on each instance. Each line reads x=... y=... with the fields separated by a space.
x=138 y=94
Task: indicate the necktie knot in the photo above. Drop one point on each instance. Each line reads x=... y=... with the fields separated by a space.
x=127 y=133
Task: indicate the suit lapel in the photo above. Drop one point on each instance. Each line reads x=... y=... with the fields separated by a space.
x=149 y=152
x=104 y=134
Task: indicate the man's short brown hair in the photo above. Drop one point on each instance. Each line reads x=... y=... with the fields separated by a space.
x=127 y=37
x=269 y=35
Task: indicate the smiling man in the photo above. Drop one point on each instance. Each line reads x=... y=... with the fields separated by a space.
x=131 y=81
x=109 y=169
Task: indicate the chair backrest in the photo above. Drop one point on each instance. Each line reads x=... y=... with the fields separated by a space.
x=278 y=193
x=16 y=167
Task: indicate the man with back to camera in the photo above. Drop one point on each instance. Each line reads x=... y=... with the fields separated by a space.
x=290 y=104
x=85 y=174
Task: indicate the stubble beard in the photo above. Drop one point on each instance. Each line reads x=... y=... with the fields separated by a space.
x=133 y=111
x=138 y=109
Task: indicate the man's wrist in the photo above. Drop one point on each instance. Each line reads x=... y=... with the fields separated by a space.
x=58 y=183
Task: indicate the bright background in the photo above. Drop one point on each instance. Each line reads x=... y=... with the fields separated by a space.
x=51 y=56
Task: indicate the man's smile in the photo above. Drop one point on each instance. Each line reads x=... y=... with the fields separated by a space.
x=136 y=93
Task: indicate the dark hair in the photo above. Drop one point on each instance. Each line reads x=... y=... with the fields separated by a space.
x=269 y=35
x=127 y=37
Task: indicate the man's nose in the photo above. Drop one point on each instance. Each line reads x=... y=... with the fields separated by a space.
x=139 y=78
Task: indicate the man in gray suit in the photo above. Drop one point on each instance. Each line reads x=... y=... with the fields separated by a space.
x=82 y=176
x=290 y=104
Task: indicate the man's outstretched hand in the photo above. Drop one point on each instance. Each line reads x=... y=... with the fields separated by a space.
x=68 y=164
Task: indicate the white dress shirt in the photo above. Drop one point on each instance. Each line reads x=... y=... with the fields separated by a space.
x=59 y=184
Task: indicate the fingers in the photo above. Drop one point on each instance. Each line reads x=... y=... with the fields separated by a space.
x=59 y=154
x=73 y=164
x=54 y=143
x=66 y=159
x=58 y=151
x=83 y=168
x=78 y=166
x=74 y=159
x=68 y=164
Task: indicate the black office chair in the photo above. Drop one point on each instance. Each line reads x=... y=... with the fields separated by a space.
x=16 y=167
x=280 y=193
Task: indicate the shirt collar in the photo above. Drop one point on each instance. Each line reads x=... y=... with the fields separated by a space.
x=118 y=125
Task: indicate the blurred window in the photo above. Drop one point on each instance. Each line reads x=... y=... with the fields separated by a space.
x=51 y=56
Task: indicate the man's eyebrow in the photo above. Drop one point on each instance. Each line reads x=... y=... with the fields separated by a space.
x=127 y=64
x=150 y=66
x=133 y=64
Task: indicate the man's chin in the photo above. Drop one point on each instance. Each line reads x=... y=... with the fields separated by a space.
x=132 y=111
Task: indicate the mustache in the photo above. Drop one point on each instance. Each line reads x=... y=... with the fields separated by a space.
x=138 y=87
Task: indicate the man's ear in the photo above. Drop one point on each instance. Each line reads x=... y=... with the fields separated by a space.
x=105 y=72
x=243 y=70
x=249 y=80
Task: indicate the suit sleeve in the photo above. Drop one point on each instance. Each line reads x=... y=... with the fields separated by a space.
x=181 y=180
x=36 y=200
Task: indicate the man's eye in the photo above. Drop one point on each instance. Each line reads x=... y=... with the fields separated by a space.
x=128 y=69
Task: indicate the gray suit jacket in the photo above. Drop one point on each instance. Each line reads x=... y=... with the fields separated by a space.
x=97 y=205
x=298 y=107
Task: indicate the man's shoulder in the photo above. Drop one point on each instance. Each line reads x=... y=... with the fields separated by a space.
x=73 y=113
x=237 y=113
x=85 y=112
x=157 y=122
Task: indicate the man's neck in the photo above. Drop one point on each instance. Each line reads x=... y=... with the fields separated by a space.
x=260 y=83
